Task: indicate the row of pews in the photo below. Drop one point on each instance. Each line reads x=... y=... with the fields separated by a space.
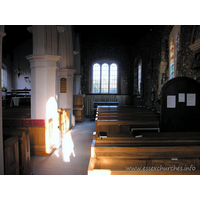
x=24 y=137
x=155 y=153
x=114 y=119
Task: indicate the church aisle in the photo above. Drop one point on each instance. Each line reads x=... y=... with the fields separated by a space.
x=72 y=158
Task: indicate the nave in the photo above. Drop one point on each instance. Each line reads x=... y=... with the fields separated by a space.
x=62 y=161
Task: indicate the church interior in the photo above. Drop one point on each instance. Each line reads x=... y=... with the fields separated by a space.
x=100 y=99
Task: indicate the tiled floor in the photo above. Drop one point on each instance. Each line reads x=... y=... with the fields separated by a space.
x=62 y=161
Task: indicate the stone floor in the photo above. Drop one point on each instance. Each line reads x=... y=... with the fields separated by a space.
x=72 y=158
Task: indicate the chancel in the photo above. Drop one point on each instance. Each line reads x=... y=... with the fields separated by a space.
x=65 y=85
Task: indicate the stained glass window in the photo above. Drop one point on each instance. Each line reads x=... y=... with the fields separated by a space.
x=172 y=59
x=177 y=41
x=104 y=78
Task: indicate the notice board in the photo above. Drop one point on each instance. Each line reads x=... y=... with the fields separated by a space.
x=180 y=105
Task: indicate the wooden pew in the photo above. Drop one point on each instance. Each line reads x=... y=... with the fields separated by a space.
x=167 y=151
x=24 y=148
x=11 y=155
x=40 y=131
x=102 y=166
x=148 y=139
x=115 y=125
x=121 y=119
x=17 y=112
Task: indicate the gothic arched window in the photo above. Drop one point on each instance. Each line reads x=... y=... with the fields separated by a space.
x=104 y=78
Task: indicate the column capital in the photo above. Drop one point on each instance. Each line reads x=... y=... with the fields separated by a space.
x=66 y=72
x=43 y=60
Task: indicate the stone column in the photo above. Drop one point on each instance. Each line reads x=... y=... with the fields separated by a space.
x=66 y=99
x=66 y=69
x=44 y=90
x=43 y=84
x=77 y=84
x=2 y=34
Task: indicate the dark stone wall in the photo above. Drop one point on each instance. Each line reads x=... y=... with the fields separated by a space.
x=186 y=55
x=149 y=50
x=107 y=45
x=152 y=49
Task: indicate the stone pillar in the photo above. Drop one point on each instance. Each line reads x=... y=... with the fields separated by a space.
x=65 y=100
x=66 y=69
x=44 y=90
x=43 y=83
x=2 y=34
x=77 y=84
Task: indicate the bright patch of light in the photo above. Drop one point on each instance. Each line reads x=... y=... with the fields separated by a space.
x=92 y=152
x=57 y=153
x=67 y=147
x=53 y=137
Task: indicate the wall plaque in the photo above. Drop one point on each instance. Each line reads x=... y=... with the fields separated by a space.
x=63 y=85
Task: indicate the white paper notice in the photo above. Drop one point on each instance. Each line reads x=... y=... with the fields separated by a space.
x=191 y=99
x=171 y=101
x=181 y=97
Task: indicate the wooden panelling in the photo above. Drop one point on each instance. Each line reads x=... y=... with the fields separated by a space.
x=24 y=148
x=40 y=134
x=78 y=99
x=78 y=107
x=11 y=155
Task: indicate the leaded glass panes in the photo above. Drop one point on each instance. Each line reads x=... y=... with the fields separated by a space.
x=113 y=78
x=96 y=78
x=104 y=78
